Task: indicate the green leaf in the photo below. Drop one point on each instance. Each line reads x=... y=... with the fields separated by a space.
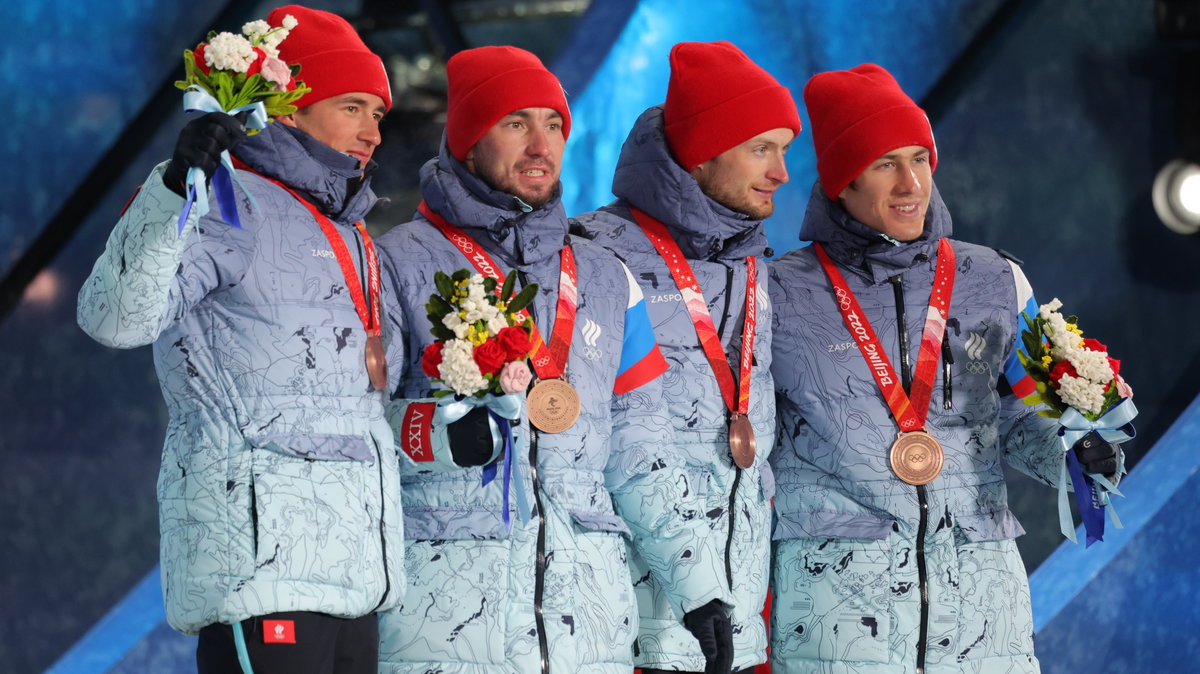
x=1032 y=399
x=438 y=306
x=440 y=331
x=1050 y=414
x=523 y=298
x=489 y=284
x=461 y=275
x=444 y=285
x=507 y=290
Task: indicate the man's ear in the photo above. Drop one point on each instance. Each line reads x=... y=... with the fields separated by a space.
x=287 y=120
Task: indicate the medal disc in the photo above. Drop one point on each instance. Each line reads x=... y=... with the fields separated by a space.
x=553 y=405
x=917 y=457
x=376 y=363
x=742 y=444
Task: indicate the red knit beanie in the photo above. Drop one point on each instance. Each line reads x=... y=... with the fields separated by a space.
x=718 y=98
x=332 y=57
x=857 y=116
x=487 y=83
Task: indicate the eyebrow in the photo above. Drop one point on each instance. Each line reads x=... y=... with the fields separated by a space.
x=361 y=102
x=893 y=156
x=527 y=115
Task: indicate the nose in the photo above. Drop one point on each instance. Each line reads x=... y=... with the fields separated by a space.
x=369 y=133
x=907 y=181
x=778 y=172
x=538 y=144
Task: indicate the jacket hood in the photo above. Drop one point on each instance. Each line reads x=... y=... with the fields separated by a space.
x=649 y=178
x=518 y=233
x=865 y=250
x=325 y=177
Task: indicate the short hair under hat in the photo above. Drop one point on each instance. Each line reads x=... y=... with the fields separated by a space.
x=857 y=116
x=487 y=83
x=333 y=59
x=718 y=98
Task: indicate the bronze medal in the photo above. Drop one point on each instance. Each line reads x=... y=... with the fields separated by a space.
x=742 y=444
x=917 y=457
x=376 y=363
x=553 y=405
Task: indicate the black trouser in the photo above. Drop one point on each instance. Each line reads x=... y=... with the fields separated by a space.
x=323 y=645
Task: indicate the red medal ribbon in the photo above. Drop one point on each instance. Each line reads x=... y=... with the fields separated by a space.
x=693 y=300
x=368 y=311
x=909 y=410
x=548 y=361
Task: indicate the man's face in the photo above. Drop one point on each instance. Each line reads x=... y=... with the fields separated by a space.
x=522 y=154
x=744 y=177
x=348 y=123
x=892 y=194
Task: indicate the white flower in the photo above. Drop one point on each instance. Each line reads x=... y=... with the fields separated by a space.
x=1083 y=395
x=227 y=51
x=497 y=323
x=458 y=325
x=1050 y=307
x=458 y=368
x=1091 y=365
x=290 y=22
x=256 y=29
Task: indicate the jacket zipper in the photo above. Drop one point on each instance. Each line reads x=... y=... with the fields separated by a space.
x=922 y=497
x=387 y=577
x=737 y=475
x=539 y=581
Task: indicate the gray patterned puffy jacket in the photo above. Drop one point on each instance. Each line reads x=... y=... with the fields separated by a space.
x=872 y=574
x=278 y=489
x=554 y=593
x=716 y=242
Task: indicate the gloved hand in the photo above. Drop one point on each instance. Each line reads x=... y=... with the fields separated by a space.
x=1096 y=455
x=201 y=143
x=711 y=627
x=471 y=438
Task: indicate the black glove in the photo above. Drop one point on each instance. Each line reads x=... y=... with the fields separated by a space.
x=1096 y=455
x=201 y=143
x=471 y=438
x=711 y=627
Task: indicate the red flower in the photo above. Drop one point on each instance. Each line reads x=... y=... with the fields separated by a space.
x=515 y=342
x=1115 y=365
x=1094 y=345
x=489 y=356
x=431 y=359
x=201 y=64
x=1060 y=368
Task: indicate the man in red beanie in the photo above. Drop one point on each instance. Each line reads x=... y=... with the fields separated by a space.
x=895 y=362
x=696 y=178
x=281 y=530
x=520 y=566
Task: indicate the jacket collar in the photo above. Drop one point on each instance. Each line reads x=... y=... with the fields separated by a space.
x=325 y=177
x=649 y=178
x=865 y=251
x=506 y=226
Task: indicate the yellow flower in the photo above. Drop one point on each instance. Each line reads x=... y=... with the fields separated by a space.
x=476 y=337
x=1047 y=361
x=1071 y=327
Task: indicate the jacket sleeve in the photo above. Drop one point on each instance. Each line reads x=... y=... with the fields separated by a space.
x=1030 y=442
x=649 y=487
x=147 y=276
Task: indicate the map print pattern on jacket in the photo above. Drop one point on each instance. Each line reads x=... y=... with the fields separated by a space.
x=278 y=489
x=554 y=595
x=737 y=503
x=848 y=593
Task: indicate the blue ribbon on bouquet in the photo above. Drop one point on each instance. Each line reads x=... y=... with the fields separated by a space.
x=1113 y=426
x=196 y=99
x=500 y=409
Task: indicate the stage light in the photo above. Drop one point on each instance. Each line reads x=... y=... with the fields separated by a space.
x=1176 y=195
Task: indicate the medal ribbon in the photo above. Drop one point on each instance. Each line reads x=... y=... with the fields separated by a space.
x=693 y=300
x=909 y=410
x=548 y=361
x=369 y=312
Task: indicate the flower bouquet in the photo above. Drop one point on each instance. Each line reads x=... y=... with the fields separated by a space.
x=1082 y=387
x=481 y=356
x=237 y=74
x=482 y=346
